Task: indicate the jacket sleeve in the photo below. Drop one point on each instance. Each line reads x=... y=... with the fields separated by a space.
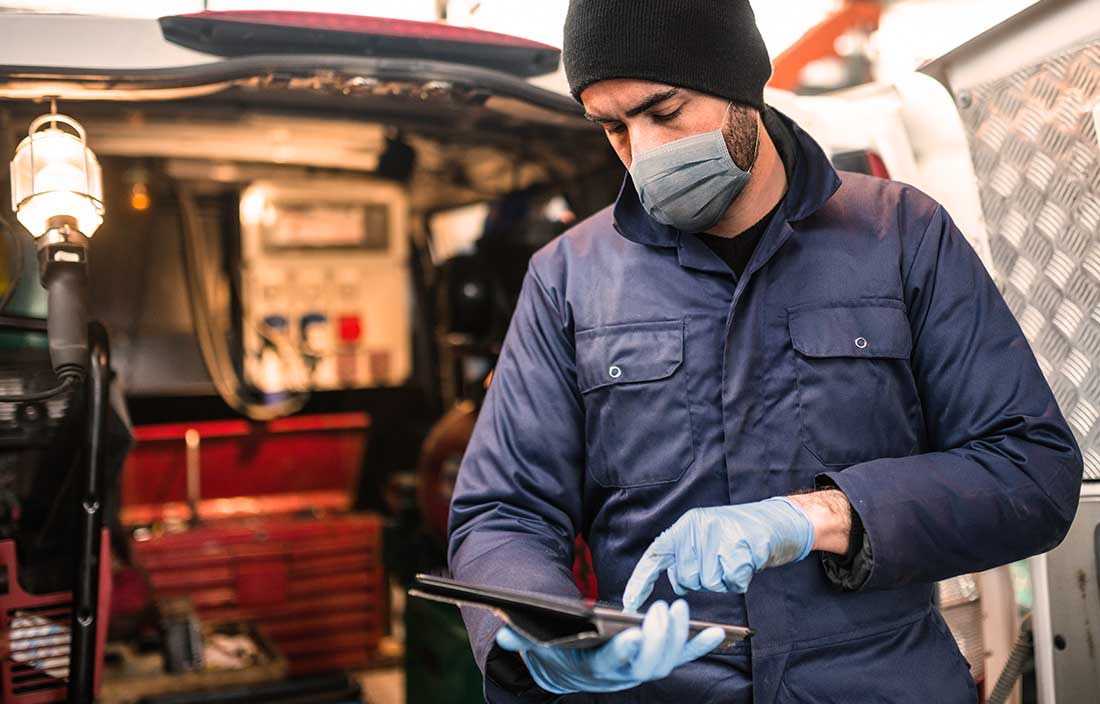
x=1003 y=476
x=517 y=501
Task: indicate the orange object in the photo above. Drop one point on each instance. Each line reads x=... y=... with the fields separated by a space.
x=139 y=197
x=820 y=40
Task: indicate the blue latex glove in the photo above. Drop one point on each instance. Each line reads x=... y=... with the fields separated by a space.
x=719 y=549
x=632 y=657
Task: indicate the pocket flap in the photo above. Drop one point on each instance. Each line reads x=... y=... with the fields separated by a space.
x=624 y=354
x=874 y=330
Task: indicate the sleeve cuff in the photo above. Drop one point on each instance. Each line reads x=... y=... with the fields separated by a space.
x=851 y=570
x=507 y=679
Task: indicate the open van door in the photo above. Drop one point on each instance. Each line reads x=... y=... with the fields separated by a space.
x=1028 y=94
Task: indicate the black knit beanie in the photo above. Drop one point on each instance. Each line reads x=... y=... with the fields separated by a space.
x=712 y=46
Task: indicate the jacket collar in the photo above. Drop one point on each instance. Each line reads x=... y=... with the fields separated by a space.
x=811 y=185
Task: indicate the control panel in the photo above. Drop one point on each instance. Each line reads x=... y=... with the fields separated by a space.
x=325 y=285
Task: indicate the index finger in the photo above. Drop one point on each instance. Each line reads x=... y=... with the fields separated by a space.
x=658 y=557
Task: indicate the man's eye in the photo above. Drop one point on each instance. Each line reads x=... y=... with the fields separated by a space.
x=617 y=128
x=667 y=117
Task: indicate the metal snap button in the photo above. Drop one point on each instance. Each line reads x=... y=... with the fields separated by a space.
x=614 y=372
x=861 y=342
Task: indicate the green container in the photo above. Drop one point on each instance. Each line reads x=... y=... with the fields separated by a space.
x=439 y=665
x=29 y=299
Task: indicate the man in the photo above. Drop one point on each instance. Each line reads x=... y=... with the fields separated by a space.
x=747 y=358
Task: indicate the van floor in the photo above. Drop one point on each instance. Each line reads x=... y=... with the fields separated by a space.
x=383 y=686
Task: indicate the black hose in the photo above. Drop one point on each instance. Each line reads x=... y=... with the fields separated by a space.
x=68 y=382
x=85 y=610
x=1021 y=651
x=210 y=337
x=19 y=323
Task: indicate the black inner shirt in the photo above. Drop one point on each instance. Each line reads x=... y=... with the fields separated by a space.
x=736 y=251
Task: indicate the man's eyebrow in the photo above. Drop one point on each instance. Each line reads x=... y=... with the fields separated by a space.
x=653 y=99
x=597 y=118
x=646 y=104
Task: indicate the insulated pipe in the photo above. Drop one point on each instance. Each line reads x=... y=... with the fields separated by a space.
x=1015 y=665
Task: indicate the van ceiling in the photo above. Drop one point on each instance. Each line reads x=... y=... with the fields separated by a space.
x=465 y=152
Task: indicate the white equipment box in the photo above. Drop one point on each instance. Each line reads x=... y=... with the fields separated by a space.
x=325 y=285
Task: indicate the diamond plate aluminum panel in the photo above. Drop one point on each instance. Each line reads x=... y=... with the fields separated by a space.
x=1037 y=159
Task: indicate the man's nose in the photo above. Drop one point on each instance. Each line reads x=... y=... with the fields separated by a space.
x=642 y=141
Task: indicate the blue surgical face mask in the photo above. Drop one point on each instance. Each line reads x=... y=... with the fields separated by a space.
x=689 y=184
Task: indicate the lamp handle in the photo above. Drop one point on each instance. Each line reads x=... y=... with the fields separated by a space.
x=58 y=117
x=67 y=320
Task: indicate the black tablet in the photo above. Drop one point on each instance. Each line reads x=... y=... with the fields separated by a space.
x=553 y=620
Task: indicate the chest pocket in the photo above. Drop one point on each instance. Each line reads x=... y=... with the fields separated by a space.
x=856 y=393
x=638 y=426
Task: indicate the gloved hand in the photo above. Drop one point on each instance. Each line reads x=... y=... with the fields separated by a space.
x=632 y=657
x=719 y=549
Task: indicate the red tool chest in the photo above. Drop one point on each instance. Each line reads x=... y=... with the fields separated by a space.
x=315 y=587
x=275 y=542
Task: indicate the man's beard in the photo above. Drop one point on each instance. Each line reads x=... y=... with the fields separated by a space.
x=740 y=132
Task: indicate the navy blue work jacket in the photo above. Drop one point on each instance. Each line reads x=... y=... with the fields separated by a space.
x=865 y=345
